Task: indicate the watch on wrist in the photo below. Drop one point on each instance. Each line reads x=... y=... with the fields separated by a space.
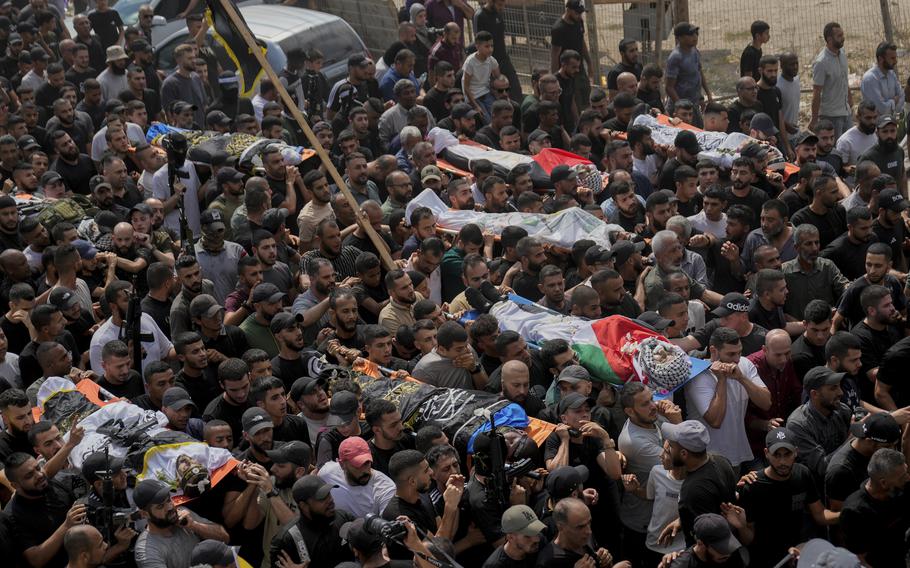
x=476 y=369
x=272 y=493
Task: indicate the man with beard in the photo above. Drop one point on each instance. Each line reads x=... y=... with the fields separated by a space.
x=865 y=194
x=217 y=257
x=265 y=248
x=371 y=212
x=132 y=259
x=384 y=421
x=400 y=190
x=553 y=287
x=118 y=378
x=184 y=84
x=402 y=298
x=221 y=341
x=874 y=515
x=158 y=378
x=855 y=142
x=460 y=196
x=532 y=259
x=515 y=384
x=268 y=393
x=309 y=395
x=523 y=533
x=229 y=406
x=85 y=547
x=316 y=210
x=848 y=251
x=831 y=97
x=464 y=119
x=776 y=501
x=172 y=532
x=290 y=462
x=102 y=197
x=76 y=168
x=312 y=306
x=668 y=254
x=229 y=183
x=189 y=275
x=878 y=330
x=290 y=363
x=396 y=117
x=258 y=432
x=113 y=79
x=196 y=374
x=136 y=79
x=266 y=300
x=330 y=248
x=742 y=192
x=774 y=231
x=824 y=212
x=65 y=119
x=179 y=408
x=17 y=416
x=880 y=84
x=808 y=275
x=317 y=528
x=628 y=211
x=613 y=296
x=642 y=445
x=358 y=488
x=887 y=153
x=411 y=473
x=39 y=513
x=821 y=424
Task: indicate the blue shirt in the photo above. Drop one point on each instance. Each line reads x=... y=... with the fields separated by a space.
x=685 y=67
x=881 y=89
x=387 y=85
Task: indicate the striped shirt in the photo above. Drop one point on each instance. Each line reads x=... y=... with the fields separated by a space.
x=343 y=263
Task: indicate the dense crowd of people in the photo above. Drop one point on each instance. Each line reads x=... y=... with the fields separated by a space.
x=791 y=282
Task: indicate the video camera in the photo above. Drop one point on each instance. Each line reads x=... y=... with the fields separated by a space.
x=390 y=531
x=113 y=519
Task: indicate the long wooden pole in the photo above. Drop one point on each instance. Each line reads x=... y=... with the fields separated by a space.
x=256 y=50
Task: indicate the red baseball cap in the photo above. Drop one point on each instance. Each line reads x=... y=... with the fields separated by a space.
x=355 y=451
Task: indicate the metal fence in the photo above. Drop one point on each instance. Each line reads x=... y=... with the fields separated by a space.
x=796 y=25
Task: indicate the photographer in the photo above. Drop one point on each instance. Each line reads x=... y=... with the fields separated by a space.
x=368 y=547
x=94 y=468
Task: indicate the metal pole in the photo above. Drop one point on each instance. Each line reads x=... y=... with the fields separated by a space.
x=659 y=40
x=887 y=23
x=257 y=52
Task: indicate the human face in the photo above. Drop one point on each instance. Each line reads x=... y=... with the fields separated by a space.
x=116 y=369
x=475 y=275
x=741 y=177
x=195 y=356
x=163 y=515
x=498 y=197
x=808 y=248
x=612 y=292
x=237 y=392
x=316 y=402
x=262 y=440
x=457 y=349
x=563 y=360
x=358 y=475
x=851 y=362
x=516 y=384
x=517 y=351
x=462 y=198
x=818 y=334
x=345 y=315
x=190 y=278
x=267 y=252
x=679 y=313
x=390 y=428
x=179 y=418
x=325 y=280
x=866 y=120
x=275 y=403
x=778 y=354
x=772 y=224
x=670 y=258
x=573 y=417
x=684 y=114
x=403 y=291
x=885 y=312
x=727 y=353
x=828 y=396
x=48 y=443
x=320 y=190
x=627 y=203
x=554 y=288
x=32 y=480
x=425 y=340
x=643 y=412
x=380 y=350
x=861 y=231
x=876 y=267
x=576 y=532
x=400 y=187
x=778 y=293
x=535 y=259
x=427 y=262
x=291 y=338
x=159 y=383
x=220 y=437
x=445 y=467
x=713 y=208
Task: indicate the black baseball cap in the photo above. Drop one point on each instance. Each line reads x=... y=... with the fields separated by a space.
x=304 y=386
x=655 y=321
x=311 y=487
x=266 y=292
x=212 y=553
x=211 y=217
x=151 y=492
x=763 y=123
x=575 y=400
x=358 y=60
x=176 y=398
x=97 y=463
x=359 y=538
x=538 y=134
x=880 y=427
x=714 y=531
x=273 y=219
x=805 y=137
x=463 y=110
x=218 y=117
x=576 y=5
x=228 y=173
x=685 y=28
x=565 y=479
x=892 y=200
x=818 y=377
x=283 y=321
x=780 y=438
x=623 y=250
x=884 y=120
x=295 y=452
x=255 y=419
x=342 y=408
x=204 y=306
x=732 y=303
x=63 y=298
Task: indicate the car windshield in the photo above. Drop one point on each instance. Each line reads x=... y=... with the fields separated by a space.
x=129 y=10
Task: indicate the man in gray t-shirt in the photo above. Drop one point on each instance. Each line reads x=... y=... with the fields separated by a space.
x=684 y=76
x=831 y=97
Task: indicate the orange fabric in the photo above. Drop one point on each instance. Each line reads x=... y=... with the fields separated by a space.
x=89 y=389
x=215 y=476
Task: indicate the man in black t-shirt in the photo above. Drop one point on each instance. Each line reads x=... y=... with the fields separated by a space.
x=268 y=393
x=710 y=480
x=569 y=33
x=532 y=258
x=877 y=332
x=714 y=545
x=384 y=421
x=234 y=380
x=523 y=539
x=573 y=541
x=848 y=251
x=17 y=417
x=824 y=211
x=888 y=225
x=887 y=153
x=847 y=468
x=119 y=379
x=776 y=501
x=874 y=517
x=628 y=63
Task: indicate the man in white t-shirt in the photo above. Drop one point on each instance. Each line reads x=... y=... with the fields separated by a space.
x=855 y=141
x=718 y=397
x=358 y=488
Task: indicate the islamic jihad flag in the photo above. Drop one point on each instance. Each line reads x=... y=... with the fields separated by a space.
x=229 y=37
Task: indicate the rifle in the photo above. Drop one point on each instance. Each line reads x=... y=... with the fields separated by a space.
x=107 y=498
x=501 y=474
x=186 y=236
x=132 y=328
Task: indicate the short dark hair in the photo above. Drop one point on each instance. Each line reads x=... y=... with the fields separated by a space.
x=629 y=392
x=377 y=408
x=184 y=340
x=506 y=338
x=234 y=369
x=860 y=213
x=817 y=311
x=881 y=249
x=261 y=386
x=758 y=27
x=549 y=349
x=403 y=461
x=724 y=336
x=765 y=278
x=13 y=397
x=449 y=333
x=373 y=332
x=840 y=343
x=12 y=464
x=776 y=205
x=871 y=296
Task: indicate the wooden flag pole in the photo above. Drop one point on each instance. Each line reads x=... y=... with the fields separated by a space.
x=256 y=50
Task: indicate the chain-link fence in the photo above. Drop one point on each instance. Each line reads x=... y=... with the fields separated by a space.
x=795 y=26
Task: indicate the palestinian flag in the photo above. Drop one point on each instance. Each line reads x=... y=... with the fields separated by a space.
x=607 y=347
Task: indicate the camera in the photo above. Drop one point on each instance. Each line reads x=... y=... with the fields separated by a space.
x=119 y=517
x=389 y=530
